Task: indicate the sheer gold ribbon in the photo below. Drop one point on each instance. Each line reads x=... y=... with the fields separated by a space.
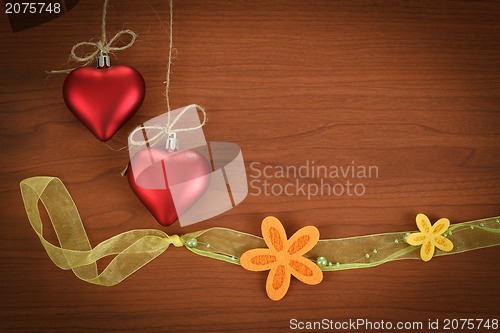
x=134 y=249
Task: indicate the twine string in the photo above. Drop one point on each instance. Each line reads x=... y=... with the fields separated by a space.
x=170 y=47
x=167 y=130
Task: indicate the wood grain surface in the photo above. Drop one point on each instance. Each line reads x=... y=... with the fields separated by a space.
x=412 y=87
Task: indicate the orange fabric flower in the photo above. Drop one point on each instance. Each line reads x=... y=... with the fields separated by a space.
x=430 y=236
x=284 y=257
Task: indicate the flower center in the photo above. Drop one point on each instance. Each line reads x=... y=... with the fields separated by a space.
x=283 y=256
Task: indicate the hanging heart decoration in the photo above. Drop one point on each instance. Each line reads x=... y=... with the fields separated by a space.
x=155 y=171
x=179 y=184
x=103 y=98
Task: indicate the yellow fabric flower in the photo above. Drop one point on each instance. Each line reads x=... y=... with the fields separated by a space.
x=430 y=236
x=284 y=257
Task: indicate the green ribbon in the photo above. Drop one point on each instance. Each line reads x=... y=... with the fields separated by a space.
x=135 y=248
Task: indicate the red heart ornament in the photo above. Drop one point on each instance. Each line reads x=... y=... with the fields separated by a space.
x=103 y=99
x=150 y=181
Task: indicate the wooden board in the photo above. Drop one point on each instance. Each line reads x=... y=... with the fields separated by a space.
x=412 y=88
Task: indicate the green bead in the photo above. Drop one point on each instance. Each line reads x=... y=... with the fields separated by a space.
x=337 y=264
x=192 y=243
x=472 y=227
x=498 y=220
x=406 y=235
x=321 y=261
x=481 y=224
x=396 y=241
x=367 y=256
x=375 y=251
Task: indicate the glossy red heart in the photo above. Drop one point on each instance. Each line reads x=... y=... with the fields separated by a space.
x=103 y=99
x=150 y=181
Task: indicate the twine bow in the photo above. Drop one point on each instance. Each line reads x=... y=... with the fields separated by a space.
x=102 y=46
x=167 y=130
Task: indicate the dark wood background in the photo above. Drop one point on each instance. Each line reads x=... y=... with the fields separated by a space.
x=412 y=87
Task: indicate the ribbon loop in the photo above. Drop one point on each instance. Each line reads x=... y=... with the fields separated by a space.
x=132 y=249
